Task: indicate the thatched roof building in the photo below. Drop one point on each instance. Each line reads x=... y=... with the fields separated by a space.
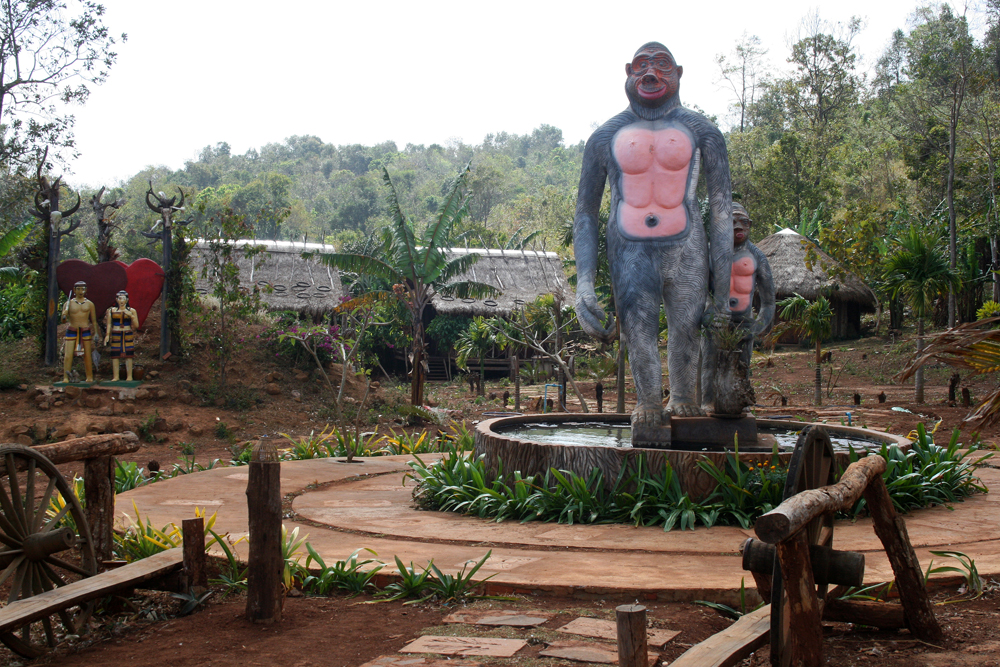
x=303 y=285
x=522 y=276
x=849 y=296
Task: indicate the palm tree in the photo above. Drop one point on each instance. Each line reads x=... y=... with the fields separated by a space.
x=476 y=340
x=416 y=266
x=812 y=320
x=918 y=270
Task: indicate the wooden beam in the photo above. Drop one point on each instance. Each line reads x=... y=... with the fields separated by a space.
x=732 y=645
x=90 y=447
x=891 y=529
x=881 y=615
x=794 y=513
x=28 y=610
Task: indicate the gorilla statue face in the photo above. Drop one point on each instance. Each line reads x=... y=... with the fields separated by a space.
x=653 y=76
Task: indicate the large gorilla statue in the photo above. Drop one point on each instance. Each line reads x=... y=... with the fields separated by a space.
x=657 y=245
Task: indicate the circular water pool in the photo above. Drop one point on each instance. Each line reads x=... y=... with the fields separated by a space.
x=532 y=444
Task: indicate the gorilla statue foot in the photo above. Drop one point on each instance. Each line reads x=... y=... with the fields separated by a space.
x=648 y=417
x=679 y=409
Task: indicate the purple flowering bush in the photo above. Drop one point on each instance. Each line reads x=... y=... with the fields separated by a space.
x=279 y=341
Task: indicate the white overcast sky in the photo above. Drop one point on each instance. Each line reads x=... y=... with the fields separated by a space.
x=198 y=72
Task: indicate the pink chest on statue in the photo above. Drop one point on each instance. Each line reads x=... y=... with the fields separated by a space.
x=655 y=166
x=741 y=284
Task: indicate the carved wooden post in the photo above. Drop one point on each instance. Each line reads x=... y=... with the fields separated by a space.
x=105 y=251
x=599 y=395
x=264 y=564
x=632 y=647
x=98 y=476
x=805 y=635
x=195 y=569
x=165 y=207
x=891 y=529
x=47 y=211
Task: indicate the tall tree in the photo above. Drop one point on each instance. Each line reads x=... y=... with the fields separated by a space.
x=742 y=70
x=416 y=265
x=942 y=61
x=917 y=271
x=50 y=50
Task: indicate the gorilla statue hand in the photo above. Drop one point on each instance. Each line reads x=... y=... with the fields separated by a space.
x=591 y=316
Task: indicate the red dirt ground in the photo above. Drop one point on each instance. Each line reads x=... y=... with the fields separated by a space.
x=342 y=631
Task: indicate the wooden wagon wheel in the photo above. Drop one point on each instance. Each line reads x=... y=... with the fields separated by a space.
x=812 y=466
x=45 y=543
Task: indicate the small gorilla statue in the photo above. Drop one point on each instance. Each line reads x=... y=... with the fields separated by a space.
x=750 y=273
x=657 y=246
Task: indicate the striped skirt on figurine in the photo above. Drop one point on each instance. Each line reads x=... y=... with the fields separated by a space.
x=121 y=346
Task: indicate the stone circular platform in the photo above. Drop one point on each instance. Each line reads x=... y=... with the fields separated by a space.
x=345 y=507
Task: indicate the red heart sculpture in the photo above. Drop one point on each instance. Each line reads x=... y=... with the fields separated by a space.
x=145 y=285
x=142 y=279
x=103 y=281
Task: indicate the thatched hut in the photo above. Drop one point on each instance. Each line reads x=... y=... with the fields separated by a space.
x=302 y=285
x=522 y=276
x=848 y=295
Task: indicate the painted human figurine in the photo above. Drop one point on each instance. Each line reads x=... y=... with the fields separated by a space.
x=120 y=324
x=79 y=311
x=658 y=250
x=750 y=273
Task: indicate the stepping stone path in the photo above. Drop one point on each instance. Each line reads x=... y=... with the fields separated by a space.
x=407 y=661
x=511 y=618
x=577 y=650
x=595 y=627
x=486 y=646
x=605 y=654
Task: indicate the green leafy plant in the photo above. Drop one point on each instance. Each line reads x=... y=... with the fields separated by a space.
x=457 y=587
x=232 y=574
x=411 y=584
x=140 y=540
x=59 y=510
x=350 y=575
x=192 y=599
x=290 y=554
x=726 y=610
x=223 y=432
x=967 y=568
x=128 y=475
x=145 y=427
x=925 y=475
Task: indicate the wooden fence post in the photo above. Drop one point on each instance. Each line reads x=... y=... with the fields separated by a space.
x=891 y=531
x=517 y=383
x=632 y=648
x=195 y=570
x=98 y=476
x=264 y=564
x=803 y=615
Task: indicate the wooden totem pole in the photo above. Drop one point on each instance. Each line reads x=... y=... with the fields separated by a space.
x=165 y=207
x=105 y=251
x=47 y=211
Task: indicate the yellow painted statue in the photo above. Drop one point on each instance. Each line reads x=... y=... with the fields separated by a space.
x=120 y=324
x=79 y=311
